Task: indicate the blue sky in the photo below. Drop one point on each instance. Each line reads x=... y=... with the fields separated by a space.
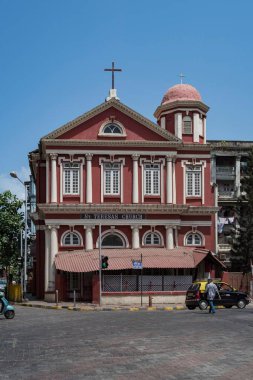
x=53 y=53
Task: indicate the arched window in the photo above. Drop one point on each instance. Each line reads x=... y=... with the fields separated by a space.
x=71 y=238
x=187 y=125
x=193 y=239
x=112 y=128
x=113 y=241
x=152 y=238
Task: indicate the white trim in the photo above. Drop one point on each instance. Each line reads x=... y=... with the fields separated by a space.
x=196 y=127
x=120 y=222
x=204 y=129
x=182 y=110
x=116 y=122
x=194 y=245
x=71 y=232
x=174 y=192
x=152 y=232
x=161 y=162
x=113 y=231
x=131 y=152
x=121 y=161
x=47 y=179
x=203 y=166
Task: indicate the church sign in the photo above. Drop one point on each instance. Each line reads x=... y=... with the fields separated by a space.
x=113 y=216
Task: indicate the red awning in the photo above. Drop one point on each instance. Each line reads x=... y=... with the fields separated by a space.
x=81 y=261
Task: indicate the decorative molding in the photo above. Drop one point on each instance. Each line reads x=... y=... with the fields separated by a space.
x=101 y=108
x=115 y=232
x=181 y=209
x=112 y=135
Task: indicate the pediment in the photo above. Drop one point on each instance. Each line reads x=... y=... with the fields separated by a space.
x=88 y=126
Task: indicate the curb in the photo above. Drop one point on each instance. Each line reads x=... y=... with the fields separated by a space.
x=115 y=308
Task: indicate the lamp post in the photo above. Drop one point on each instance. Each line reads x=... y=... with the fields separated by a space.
x=14 y=175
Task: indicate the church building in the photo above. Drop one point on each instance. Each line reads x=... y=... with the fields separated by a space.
x=146 y=186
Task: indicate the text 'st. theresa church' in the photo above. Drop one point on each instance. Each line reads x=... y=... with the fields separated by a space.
x=148 y=185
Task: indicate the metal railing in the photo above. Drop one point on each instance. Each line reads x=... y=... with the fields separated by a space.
x=137 y=283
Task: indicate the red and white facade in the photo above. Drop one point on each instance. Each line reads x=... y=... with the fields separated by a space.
x=147 y=184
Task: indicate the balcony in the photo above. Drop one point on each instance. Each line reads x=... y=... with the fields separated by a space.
x=222 y=194
x=225 y=172
x=224 y=248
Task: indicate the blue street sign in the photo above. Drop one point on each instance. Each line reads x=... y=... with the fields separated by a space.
x=137 y=264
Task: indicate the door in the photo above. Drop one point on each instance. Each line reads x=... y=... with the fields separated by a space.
x=87 y=287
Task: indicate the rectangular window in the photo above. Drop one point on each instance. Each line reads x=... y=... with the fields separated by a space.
x=112 y=179
x=193 y=181
x=71 y=178
x=151 y=179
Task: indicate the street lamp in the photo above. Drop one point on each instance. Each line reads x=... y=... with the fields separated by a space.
x=14 y=175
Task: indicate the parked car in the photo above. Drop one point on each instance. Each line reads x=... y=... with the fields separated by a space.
x=196 y=296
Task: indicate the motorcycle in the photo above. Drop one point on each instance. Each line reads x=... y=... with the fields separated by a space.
x=5 y=308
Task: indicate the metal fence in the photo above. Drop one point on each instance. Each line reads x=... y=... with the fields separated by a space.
x=136 y=283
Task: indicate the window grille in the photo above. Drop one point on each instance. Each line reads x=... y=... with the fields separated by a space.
x=193 y=239
x=187 y=125
x=71 y=173
x=112 y=178
x=151 y=179
x=152 y=239
x=71 y=238
x=112 y=129
x=193 y=180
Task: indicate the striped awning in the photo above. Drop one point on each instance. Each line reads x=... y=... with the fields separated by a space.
x=80 y=261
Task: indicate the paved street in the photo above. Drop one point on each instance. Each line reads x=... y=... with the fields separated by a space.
x=62 y=344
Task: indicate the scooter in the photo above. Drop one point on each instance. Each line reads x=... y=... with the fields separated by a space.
x=5 y=308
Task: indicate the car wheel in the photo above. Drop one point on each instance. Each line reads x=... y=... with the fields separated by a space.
x=203 y=305
x=9 y=314
x=191 y=307
x=228 y=306
x=241 y=304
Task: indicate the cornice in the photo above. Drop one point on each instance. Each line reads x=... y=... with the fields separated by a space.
x=126 y=208
x=123 y=143
x=104 y=106
x=181 y=103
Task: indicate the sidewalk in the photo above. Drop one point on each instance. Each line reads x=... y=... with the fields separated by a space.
x=79 y=306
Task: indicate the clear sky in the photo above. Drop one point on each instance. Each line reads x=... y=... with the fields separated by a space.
x=53 y=53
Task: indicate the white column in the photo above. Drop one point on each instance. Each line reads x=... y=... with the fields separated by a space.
x=135 y=237
x=174 y=181
x=204 y=129
x=54 y=251
x=88 y=178
x=238 y=175
x=169 y=180
x=178 y=125
x=53 y=178
x=88 y=238
x=47 y=255
x=176 y=236
x=135 y=158
x=47 y=179
x=195 y=127
x=213 y=168
x=163 y=122
x=169 y=237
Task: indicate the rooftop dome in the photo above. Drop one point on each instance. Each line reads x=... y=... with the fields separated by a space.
x=181 y=92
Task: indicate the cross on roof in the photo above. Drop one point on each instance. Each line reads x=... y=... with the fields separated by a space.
x=181 y=77
x=113 y=71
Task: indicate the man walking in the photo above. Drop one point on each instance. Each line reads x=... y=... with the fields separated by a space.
x=211 y=290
